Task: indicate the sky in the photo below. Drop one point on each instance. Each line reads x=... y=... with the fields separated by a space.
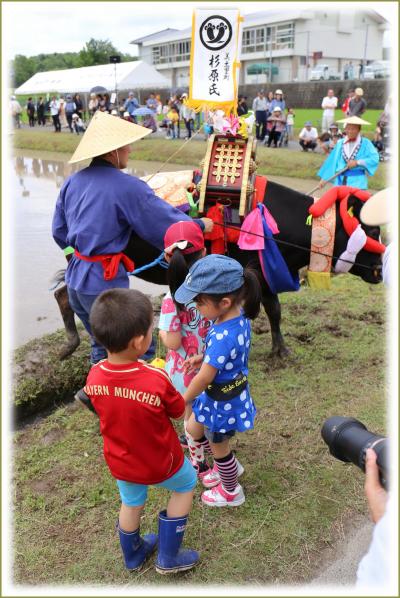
x=31 y=28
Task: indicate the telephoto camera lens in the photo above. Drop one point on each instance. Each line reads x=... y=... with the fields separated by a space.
x=348 y=440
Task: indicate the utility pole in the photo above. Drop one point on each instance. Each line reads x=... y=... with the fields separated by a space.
x=115 y=60
x=270 y=56
x=365 y=47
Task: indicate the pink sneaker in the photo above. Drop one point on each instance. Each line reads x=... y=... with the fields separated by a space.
x=211 y=478
x=219 y=497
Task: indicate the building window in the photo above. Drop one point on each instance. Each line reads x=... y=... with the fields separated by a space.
x=253 y=40
x=173 y=52
x=285 y=36
x=263 y=39
x=303 y=60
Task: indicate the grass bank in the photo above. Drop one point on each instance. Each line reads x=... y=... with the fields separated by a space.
x=40 y=379
x=279 y=162
x=297 y=495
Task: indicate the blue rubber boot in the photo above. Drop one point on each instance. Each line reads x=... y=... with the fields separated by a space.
x=171 y=558
x=135 y=548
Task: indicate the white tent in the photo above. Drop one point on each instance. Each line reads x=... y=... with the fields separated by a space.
x=126 y=75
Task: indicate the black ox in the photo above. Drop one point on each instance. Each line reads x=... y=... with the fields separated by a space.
x=290 y=210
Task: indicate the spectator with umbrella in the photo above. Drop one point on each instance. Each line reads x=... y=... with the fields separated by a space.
x=148 y=117
x=131 y=104
x=152 y=102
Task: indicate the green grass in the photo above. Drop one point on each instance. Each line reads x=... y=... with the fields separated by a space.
x=315 y=115
x=278 y=162
x=66 y=502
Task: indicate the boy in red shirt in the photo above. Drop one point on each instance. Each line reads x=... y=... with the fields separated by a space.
x=135 y=402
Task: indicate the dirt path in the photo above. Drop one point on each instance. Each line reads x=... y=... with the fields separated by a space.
x=340 y=561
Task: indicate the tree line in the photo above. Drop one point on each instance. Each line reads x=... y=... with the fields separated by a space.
x=95 y=51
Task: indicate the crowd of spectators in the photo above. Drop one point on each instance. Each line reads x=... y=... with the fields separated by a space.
x=274 y=120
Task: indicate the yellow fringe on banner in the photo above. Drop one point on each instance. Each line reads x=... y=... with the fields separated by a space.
x=199 y=105
x=319 y=280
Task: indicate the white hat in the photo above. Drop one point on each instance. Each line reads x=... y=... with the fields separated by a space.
x=276 y=109
x=375 y=211
x=75 y=116
x=354 y=120
x=126 y=113
x=114 y=112
x=279 y=91
x=106 y=133
x=358 y=91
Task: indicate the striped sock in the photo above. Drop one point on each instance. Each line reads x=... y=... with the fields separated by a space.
x=205 y=444
x=228 y=471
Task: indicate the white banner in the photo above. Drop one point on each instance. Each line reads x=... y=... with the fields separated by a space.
x=214 y=59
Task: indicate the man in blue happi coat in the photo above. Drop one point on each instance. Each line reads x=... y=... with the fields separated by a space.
x=98 y=208
x=355 y=152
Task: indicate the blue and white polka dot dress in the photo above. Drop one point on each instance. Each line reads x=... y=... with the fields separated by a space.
x=227 y=349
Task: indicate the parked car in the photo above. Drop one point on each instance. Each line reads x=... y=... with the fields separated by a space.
x=369 y=73
x=381 y=69
x=323 y=72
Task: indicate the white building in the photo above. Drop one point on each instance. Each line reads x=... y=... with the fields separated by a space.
x=283 y=38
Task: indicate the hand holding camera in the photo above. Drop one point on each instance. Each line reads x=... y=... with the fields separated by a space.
x=376 y=495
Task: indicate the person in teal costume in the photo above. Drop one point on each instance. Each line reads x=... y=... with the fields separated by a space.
x=355 y=151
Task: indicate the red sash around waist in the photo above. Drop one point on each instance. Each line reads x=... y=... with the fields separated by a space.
x=110 y=262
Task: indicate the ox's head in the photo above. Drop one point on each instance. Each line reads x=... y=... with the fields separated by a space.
x=368 y=265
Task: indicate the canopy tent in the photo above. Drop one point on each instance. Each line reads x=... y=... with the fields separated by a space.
x=127 y=75
x=262 y=68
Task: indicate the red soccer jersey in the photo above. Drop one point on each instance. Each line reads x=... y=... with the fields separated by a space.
x=134 y=403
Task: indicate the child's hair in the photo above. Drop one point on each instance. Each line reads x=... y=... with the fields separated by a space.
x=119 y=315
x=178 y=269
x=249 y=295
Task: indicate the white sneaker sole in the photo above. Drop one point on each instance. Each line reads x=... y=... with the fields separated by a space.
x=233 y=503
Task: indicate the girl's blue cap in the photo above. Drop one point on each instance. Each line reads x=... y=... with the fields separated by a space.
x=213 y=275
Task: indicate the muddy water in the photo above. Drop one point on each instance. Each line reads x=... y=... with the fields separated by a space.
x=35 y=183
x=36 y=178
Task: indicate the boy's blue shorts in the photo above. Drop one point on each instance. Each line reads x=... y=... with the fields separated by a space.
x=135 y=495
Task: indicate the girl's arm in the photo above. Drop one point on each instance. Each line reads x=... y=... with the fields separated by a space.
x=193 y=363
x=172 y=340
x=200 y=382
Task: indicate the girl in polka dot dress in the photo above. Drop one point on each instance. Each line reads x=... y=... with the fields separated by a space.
x=182 y=328
x=228 y=295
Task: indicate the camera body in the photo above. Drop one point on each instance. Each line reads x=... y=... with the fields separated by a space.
x=348 y=439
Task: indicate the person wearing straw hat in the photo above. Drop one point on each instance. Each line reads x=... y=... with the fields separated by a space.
x=97 y=210
x=355 y=152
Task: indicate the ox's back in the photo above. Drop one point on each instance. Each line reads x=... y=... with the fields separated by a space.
x=290 y=210
x=288 y=207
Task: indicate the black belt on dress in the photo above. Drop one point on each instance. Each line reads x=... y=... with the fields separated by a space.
x=223 y=391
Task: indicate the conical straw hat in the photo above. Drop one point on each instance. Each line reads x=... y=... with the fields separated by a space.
x=354 y=120
x=375 y=211
x=106 y=133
